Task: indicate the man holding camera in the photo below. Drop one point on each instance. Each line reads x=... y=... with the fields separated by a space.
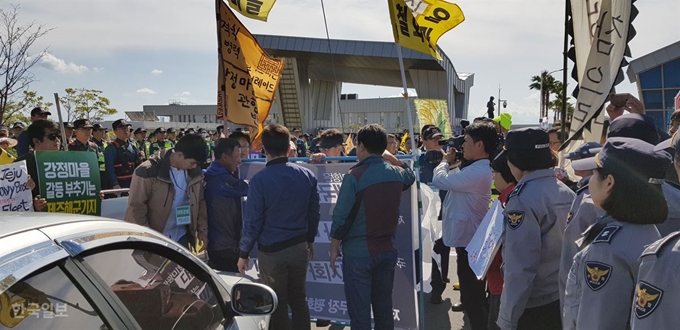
x=466 y=203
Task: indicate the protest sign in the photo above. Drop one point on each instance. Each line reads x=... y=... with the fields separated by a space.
x=69 y=180
x=486 y=241
x=434 y=112
x=14 y=193
x=325 y=291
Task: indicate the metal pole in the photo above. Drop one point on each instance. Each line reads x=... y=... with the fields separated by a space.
x=563 y=114
x=499 y=100
x=64 y=141
x=416 y=169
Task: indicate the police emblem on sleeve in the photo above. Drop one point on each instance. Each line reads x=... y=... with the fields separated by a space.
x=597 y=274
x=647 y=297
x=515 y=219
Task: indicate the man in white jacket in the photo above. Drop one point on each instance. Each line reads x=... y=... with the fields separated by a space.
x=466 y=203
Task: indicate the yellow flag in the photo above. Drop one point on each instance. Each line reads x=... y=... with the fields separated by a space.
x=255 y=9
x=247 y=78
x=402 y=145
x=419 y=24
x=349 y=144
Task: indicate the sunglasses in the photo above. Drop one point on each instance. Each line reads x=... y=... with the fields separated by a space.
x=54 y=136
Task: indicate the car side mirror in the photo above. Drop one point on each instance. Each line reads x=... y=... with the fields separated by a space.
x=251 y=299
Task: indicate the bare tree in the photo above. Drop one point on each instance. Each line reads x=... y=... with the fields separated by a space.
x=15 y=59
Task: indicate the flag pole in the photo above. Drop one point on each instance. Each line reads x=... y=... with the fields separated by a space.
x=64 y=141
x=416 y=169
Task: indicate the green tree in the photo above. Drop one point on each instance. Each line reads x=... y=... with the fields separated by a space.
x=16 y=60
x=85 y=103
x=19 y=110
x=545 y=83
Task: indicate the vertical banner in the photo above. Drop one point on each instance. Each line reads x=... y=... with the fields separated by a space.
x=247 y=78
x=70 y=182
x=255 y=9
x=325 y=291
x=434 y=112
x=601 y=35
x=15 y=196
x=419 y=24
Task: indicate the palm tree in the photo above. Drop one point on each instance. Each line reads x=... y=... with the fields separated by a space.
x=556 y=105
x=545 y=83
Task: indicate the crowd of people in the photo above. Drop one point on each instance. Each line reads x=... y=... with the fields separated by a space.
x=598 y=253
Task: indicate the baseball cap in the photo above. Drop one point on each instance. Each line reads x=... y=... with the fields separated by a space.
x=68 y=125
x=81 y=123
x=586 y=150
x=628 y=156
x=171 y=130
x=529 y=138
x=673 y=142
x=4 y=128
x=18 y=125
x=159 y=130
x=39 y=111
x=295 y=130
x=98 y=127
x=432 y=132
x=120 y=123
x=634 y=125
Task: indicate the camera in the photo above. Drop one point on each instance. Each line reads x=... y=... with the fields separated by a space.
x=456 y=143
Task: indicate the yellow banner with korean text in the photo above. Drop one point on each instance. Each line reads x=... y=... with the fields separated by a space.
x=255 y=9
x=248 y=77
x=419 y=24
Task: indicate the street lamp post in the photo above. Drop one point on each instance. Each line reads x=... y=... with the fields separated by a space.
x=504 y=102
x=541 y=94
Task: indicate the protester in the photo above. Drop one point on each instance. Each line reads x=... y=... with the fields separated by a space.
x=582 y=214
x=373 y=186
x=244 y=143
x=535 y=215
x=627 y=186
x=43 y=135
x=23 y=141
x=122 y=157
x=17 y=129
x=166 y=193
x=282 y=216
x=223 y=192
x=330 y=145
x=466 y=203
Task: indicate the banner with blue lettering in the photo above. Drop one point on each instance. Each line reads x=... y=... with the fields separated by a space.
x=325 y=291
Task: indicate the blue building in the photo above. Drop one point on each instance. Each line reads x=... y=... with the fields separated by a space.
x=657 y=76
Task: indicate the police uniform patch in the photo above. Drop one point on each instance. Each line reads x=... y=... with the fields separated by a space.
x=606 y=234
x=569 y=216
x=647 y=297
x=515 y=219
x=597 y=274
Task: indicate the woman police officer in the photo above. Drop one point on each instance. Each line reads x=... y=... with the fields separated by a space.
x=627 y=186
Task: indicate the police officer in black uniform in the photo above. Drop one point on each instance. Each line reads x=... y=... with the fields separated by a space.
x=83 y=142
x=122 y=156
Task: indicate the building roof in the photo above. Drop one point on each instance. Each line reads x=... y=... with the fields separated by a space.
x=653 y=60
x=359 y=62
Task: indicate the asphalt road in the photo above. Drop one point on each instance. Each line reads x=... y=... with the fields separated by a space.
x=437 y=317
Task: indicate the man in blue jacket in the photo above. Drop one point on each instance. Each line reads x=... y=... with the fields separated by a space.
x=282 y=216
x=223 y=192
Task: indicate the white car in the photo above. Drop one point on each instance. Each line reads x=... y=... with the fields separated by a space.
x=66 y=271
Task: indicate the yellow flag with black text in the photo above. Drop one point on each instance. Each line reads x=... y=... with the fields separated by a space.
x=255 y=9
x=248 y=77
x=419 y=24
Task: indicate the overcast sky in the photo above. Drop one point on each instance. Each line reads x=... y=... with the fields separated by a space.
x=151 y=51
